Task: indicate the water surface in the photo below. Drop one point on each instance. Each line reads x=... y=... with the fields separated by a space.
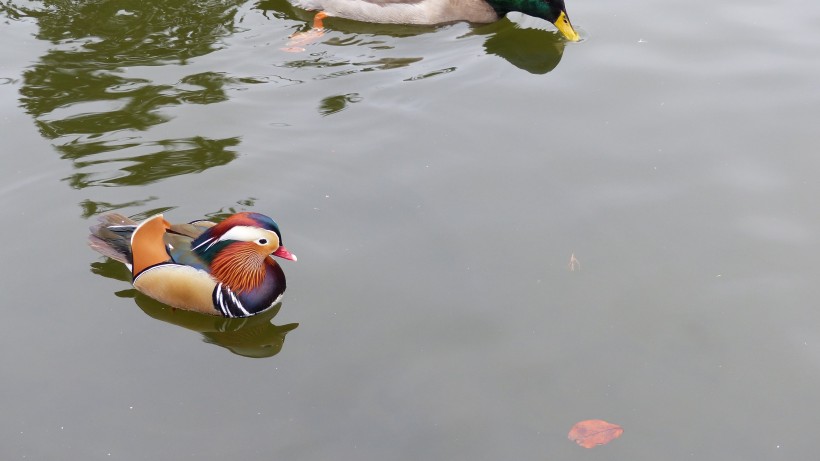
x=434 y=183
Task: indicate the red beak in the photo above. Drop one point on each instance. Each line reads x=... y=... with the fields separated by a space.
x=283 y=253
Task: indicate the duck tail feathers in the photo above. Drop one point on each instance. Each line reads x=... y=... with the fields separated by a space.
x=111 y=237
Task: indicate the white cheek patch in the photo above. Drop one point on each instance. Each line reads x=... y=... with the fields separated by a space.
x=248 y=234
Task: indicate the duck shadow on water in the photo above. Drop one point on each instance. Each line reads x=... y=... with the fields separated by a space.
x=536 y=51
x=255 y=337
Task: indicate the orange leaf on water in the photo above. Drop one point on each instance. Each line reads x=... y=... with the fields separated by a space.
x=594 y=432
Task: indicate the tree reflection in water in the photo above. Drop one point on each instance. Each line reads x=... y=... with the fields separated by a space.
x=98 y=116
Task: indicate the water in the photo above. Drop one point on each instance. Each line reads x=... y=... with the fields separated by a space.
x=434 y=183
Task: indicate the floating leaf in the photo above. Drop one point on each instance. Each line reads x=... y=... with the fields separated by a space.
x=594 y=432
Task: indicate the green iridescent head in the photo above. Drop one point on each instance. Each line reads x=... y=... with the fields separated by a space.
x=553 y=11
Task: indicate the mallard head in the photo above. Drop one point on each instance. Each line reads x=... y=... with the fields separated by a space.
x=553 y=11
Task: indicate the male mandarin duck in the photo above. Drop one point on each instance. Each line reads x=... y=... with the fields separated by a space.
x=429 y=12
x=214 y=268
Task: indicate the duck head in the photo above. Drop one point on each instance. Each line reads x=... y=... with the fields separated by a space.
x=252 y=233
x=237 y=250
x=553 y=11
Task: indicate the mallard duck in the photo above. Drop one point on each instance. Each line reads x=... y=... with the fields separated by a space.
x=439 y=11
x=214 y=268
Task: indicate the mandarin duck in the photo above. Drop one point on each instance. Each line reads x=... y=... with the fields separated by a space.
x=430 y=12
x=221 y=268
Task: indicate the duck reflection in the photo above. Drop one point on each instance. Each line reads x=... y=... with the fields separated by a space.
x=89 y=97
x=255 y=336
x=536 y=51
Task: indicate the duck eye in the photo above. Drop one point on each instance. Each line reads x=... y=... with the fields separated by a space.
x=263 y=241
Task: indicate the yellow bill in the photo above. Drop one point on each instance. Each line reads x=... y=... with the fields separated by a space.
x=565 y=27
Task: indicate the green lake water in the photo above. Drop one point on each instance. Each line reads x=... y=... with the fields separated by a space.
x=435 y=184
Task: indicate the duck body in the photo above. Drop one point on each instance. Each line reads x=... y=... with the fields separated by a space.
x=223 y=269
x=419 y=12
x=431 y=12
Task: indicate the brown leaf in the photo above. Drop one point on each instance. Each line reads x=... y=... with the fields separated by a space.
x=594 y=432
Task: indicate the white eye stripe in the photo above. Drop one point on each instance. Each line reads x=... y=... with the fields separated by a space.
x=247 y=234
